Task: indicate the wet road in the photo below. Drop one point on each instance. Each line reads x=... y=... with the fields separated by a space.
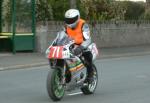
x=121 y=80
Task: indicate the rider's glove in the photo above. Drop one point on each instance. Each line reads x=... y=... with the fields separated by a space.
x=78 y=50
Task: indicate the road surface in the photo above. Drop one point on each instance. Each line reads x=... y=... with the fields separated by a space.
x=121 y=80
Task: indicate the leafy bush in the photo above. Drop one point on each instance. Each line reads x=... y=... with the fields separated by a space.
x=134 y=10
x=51 y=9
x=146 y=15
x=92 y=9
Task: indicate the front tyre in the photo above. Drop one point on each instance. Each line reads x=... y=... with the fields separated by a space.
x=54 y=86
x=91 y=85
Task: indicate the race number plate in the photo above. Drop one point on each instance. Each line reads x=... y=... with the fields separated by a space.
x=56 y=52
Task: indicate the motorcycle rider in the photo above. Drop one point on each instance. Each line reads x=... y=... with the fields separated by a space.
x=78 y=29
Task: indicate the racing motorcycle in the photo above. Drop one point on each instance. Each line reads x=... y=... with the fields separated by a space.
x=68 y=71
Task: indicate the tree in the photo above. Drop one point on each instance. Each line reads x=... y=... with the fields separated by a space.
x=148 y=3
x=44 y=10
x=133 y=10
x=90 y=9
x=146 y=15
x=6 y=14
x=51 y=9
x=117 y=10
x=95 y=9
x=73 y=4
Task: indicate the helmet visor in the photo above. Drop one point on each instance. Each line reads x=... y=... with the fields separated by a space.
x=71 y=20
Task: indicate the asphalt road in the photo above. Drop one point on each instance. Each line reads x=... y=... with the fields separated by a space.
x=121 y=80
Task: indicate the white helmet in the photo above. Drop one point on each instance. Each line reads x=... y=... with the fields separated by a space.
x=72 y=17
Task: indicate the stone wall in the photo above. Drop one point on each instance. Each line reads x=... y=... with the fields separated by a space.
x=105 y=34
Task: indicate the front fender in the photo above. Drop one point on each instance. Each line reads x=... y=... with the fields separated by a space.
x=56 y=63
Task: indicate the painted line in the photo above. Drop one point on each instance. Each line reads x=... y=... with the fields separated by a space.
x=124 y=55
x=1 y=69
x=119 y=57
x=74 y=93
x=23 y=66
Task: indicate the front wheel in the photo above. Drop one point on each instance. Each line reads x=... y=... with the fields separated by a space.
x=54 y=86
x=91 y=85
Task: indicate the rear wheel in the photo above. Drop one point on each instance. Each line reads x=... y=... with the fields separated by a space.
x=54 y=86
x=91 y=84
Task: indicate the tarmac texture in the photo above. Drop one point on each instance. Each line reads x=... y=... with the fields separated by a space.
x=22 y=60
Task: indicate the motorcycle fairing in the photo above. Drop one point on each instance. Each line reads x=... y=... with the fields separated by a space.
x=58 y=52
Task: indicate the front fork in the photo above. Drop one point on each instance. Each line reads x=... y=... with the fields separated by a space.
x=63 y=74
x=59 y=64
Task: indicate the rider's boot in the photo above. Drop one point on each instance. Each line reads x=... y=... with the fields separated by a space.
x=89 y=65
x=90 y=73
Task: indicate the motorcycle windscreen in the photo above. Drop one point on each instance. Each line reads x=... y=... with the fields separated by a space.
x=62 y=39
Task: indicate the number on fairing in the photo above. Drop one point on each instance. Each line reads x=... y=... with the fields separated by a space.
x=56 y=52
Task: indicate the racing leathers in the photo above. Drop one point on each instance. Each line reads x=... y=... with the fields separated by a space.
x=81 y=35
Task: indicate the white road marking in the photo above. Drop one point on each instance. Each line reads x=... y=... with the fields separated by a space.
x=1 y=68
x=74 y=93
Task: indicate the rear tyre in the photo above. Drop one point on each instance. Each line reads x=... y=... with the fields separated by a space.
x=54 y=86
x=91 y=85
